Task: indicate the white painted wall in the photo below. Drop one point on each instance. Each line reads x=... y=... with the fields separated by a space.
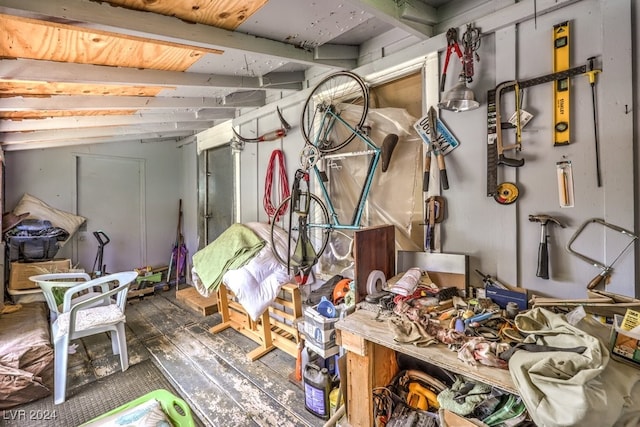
x=170 y=174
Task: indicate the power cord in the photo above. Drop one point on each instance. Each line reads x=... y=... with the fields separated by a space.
x=269 y=208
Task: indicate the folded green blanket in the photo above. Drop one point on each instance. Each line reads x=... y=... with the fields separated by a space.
x=231 y=250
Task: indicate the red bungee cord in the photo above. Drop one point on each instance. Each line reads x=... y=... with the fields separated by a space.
x=269 y=208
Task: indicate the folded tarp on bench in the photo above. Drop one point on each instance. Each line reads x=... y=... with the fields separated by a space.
x=231 y=250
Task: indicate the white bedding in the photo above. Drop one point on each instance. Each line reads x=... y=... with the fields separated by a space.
x=257 y=284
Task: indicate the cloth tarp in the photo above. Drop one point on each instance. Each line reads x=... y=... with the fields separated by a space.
x=568 y=388
x=231 y=250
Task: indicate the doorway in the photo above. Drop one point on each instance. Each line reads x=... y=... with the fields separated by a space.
x=215 y=193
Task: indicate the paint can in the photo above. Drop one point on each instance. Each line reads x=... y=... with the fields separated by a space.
x=317 y=386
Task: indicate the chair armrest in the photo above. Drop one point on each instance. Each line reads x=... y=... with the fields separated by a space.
x=123 y=278
x=91 y=302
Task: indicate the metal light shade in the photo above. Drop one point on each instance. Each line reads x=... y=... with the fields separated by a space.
x=459 y=98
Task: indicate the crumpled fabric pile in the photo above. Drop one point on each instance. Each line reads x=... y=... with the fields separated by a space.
x=570 y=388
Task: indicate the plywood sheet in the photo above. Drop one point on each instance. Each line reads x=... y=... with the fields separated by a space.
x=34 y=39
x=42 y=114
x=27 y=88
x=373 y=249
x=227 y=14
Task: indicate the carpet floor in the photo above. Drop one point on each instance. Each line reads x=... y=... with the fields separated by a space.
x=91 y=400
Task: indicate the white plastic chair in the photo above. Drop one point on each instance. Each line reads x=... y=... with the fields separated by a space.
x=47 y=282
x=100 y=313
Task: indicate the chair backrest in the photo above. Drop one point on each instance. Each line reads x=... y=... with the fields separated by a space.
x=47 y=282
x=103 y=283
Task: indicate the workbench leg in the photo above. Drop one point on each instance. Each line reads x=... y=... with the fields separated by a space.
x=370 y=366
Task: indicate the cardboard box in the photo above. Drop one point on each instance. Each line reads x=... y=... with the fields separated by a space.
x=319 y=335
x=625 y=344
x=320 y=338
x=21 y=271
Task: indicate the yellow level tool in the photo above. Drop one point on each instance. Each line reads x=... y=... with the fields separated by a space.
x=561 y=110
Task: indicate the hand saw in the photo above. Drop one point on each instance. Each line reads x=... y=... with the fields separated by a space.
x=495 y=149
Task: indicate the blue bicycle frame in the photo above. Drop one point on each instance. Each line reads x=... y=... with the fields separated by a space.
x=326 y=125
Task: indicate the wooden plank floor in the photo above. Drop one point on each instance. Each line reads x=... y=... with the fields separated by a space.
x=212 y=372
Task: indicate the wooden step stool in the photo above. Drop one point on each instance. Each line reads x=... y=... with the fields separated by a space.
x=276 y=327
x=192 y=298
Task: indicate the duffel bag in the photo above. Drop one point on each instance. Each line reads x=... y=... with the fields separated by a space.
x=34 y=240
x=32 y=248
x=32 y=226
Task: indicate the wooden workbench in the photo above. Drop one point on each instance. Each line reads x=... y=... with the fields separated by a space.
x=371 y=362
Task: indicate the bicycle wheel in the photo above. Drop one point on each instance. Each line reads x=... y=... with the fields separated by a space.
x=342 y=94
x=302 y=239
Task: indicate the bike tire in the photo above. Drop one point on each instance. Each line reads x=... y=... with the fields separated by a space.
x=319 y=239
x=341 y=91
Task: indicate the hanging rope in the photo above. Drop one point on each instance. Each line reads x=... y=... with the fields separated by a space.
x=269 y=207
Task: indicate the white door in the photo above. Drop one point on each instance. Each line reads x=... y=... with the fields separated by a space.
x=110 y=195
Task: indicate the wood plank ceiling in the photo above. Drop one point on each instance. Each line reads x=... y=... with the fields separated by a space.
x=67 y=43
x=83 y=71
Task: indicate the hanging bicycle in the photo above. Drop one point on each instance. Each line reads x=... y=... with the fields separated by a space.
x=333 y=115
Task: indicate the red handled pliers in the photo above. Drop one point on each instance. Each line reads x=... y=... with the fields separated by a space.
x=452 y=45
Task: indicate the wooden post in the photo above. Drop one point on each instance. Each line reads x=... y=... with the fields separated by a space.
x=369 y=365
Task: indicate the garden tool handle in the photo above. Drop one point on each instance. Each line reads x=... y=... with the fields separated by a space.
x=427 y=169
x=273 y=135
x=443 y=171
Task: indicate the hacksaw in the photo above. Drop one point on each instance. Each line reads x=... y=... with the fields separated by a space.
x=493 y=127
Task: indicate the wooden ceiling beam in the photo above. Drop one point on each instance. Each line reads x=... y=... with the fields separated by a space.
x=416 y=18
x=34 y=70
x=97 y=140
x=61 y=134
x=77 y=122
x=79 y=103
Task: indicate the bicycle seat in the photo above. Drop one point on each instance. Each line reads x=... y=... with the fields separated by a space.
x=388 y=145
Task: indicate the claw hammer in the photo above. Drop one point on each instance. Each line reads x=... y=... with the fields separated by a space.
x=543 y=247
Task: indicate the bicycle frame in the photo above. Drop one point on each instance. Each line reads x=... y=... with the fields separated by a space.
x=326 y=125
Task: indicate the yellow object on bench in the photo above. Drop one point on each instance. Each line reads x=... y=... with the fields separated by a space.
x=176 y=410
